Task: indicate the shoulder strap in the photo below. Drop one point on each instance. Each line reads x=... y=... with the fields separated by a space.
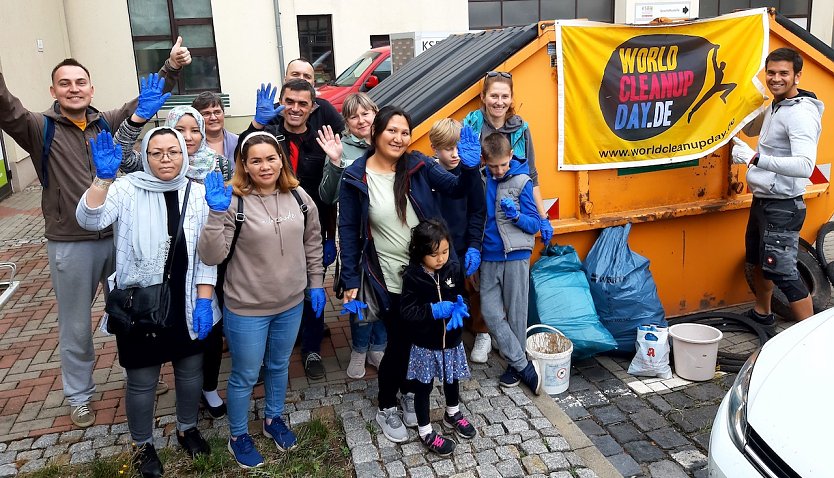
x=301 y=205
x=170 y=262
x=48 y=134
x=240 y=217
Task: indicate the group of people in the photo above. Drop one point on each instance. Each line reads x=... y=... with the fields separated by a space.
x=425 y=244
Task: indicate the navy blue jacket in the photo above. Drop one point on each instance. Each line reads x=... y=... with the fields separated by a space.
x=465 y=218
x=424 y=174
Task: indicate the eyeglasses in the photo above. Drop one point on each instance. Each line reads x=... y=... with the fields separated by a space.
x=172 y=155
x=493 y=74
x=209 y=114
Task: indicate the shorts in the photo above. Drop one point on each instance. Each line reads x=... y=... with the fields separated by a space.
x=772 y=237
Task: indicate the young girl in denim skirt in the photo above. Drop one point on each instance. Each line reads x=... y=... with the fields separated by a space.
x=433 y=310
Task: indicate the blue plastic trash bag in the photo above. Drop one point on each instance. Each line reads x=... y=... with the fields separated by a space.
x=622 y=286
x=563 y=300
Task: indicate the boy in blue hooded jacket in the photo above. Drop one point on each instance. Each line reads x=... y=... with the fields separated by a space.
x=512 y=220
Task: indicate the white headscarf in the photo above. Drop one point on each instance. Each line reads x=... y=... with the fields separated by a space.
x=151 y=233
x=204 y=160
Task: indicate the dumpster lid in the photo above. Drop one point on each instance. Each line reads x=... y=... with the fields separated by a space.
x=797 y=30
x=443 y=72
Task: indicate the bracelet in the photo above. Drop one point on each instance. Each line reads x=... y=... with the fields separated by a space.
x=102 y=183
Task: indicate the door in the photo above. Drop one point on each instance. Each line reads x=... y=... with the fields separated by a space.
x=315 y=42
x=5 y=173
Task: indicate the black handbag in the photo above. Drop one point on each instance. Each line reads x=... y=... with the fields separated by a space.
x=145 y=309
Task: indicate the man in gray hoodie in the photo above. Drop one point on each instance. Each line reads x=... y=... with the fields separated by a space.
x=779 y=169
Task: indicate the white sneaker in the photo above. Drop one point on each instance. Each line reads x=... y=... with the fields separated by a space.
x=375 y=358
x=392 y=425
x=409 y=414
x=480 y=351
x=356 y=368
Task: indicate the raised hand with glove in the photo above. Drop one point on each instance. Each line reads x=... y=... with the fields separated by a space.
x=107 y=156
x=317 y=299
x=218 y=196
x=151 y=96
x=354 y=307
x=743 y=154
x=202 y=319
x=265 y=109
x=469 y=148
x=460 y=311
x=329 y=252
x=471 y=261
x=442 y=310
x=509 y=208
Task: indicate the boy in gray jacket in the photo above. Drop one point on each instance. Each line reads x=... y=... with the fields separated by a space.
x=778 y=171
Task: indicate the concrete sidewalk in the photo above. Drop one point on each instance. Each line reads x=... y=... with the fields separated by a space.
x=520 y=435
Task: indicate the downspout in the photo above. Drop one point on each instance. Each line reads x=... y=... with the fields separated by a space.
x=277 y=11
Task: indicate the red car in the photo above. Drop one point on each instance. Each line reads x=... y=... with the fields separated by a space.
x=366 y=72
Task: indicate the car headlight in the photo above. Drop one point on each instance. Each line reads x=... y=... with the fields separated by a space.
x=737 y=404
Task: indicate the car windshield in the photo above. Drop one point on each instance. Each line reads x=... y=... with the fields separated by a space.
x=354 y=71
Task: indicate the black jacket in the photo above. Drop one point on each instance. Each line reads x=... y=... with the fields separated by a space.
x=465 y=218
x=420 y=291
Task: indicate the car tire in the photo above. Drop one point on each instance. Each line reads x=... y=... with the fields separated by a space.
x=812 y=275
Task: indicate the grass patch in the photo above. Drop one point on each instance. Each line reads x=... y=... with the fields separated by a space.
x=321 y=452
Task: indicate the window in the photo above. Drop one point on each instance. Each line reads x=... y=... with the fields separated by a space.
x=155 y=26
x=797 y=10
x=505 y=13
x=383 y=71
x=315 y=42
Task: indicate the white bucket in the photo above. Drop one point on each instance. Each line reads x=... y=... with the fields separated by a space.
x=552 y=351
x=695 y=348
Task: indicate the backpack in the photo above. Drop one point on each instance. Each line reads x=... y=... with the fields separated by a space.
x=240 y=218
x=49 y=135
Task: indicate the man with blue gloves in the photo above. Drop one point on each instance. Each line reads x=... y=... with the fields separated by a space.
x=297 y=118
x=57 y=140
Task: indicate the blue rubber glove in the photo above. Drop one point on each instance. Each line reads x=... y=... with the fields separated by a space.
x=151 y=96
x=472 y=260
x=107 y=155
x=329 y=252
x=317 y=299
x=265 y=109
x=546 y=230
x=218 y=196
x=441 y=310
x=354 y=307
x=203 y=318
x=459 y=311
x=469 y=148
x=508 y=206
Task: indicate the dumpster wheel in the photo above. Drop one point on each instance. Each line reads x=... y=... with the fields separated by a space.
x=826 y=258
x=811 y=273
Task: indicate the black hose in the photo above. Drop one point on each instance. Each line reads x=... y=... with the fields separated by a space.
x=728 y=322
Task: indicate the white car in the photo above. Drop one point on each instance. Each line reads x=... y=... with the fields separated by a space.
x=777 y=419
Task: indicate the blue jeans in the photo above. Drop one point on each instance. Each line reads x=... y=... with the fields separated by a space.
x=367 y=336
x=247 y=338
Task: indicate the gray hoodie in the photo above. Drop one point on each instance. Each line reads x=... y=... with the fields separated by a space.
x=788 y=135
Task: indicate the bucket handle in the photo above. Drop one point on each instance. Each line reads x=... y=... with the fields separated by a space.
x=545 y=326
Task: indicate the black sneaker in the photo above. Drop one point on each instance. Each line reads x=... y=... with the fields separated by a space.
x=509 y=378
x=460 y=425
x=146 y=461
x=439 y=444
x=217 y=412
x=531 y=377
x=767 y=320
x=313 y=368
x=193 y=442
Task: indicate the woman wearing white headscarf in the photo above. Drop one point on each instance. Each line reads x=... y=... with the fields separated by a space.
x=146 y=205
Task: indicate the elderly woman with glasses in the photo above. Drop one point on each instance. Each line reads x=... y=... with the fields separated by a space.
x=151 y=247
x=497 y=114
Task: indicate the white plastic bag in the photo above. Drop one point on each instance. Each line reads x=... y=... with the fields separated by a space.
x=652 y=357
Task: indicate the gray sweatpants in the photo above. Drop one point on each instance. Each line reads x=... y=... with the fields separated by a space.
x=77 y=268
x=504 y=295
x=140 y=396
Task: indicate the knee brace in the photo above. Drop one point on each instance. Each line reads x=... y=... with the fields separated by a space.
x=793 y=289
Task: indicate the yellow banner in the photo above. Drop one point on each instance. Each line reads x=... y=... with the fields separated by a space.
x=646 y=95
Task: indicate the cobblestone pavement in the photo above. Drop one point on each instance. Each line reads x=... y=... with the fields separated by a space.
x=519 y=435
x=649 y=427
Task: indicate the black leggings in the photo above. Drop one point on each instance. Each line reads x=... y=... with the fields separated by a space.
x=421 y=398
x=394 y=365
x=212 y=355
